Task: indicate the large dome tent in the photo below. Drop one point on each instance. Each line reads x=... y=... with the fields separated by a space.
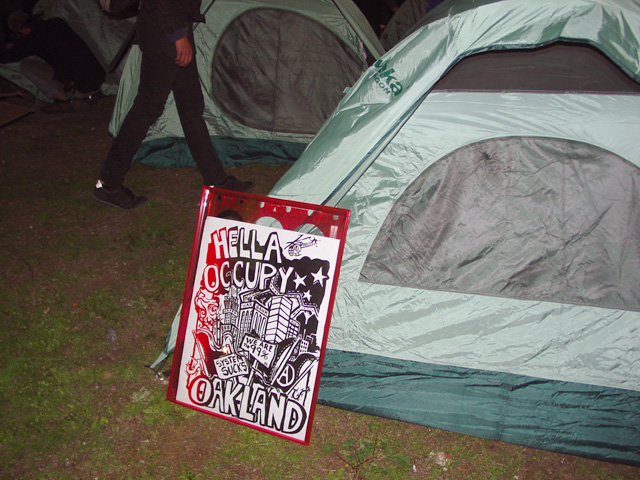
x=489 y=282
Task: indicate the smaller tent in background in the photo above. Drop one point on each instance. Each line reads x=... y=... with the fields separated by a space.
x=490 y=282
x=271 y=72
x=404 y=19
x=106 y=35
x=377 y=12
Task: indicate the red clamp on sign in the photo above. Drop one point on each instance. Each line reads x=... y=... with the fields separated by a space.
x=256 y=310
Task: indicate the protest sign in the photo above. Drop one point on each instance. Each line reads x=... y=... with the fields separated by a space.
x=256 y=310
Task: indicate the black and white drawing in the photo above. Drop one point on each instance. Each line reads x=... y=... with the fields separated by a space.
x=257 y=324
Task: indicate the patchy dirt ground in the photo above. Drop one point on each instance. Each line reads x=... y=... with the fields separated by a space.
x=93 y=261
x=48 y=165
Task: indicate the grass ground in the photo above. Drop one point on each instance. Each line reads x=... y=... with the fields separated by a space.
x=87 y=294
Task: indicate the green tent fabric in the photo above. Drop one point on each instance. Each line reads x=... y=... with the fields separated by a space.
x=169 y=345
x=106 y=35
x=488 y=283
x=271 y=72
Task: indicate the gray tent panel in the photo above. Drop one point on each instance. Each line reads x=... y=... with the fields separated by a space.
x=557 y=67
x=266 y=85
x=521 y=217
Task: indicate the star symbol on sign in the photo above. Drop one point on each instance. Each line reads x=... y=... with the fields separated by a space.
x=299 y=280
x=307 y=296
x=319 y=277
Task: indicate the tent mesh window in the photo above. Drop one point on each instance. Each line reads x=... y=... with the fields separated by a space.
x=520 y=217
x=280 y=71
x=557 y=67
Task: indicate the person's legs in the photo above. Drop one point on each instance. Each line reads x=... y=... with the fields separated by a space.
x=156 y=78
x=190 y=105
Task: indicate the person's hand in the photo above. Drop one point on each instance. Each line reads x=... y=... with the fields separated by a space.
x=184 y=52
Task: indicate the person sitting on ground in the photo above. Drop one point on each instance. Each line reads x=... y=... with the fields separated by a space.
x=65 y=69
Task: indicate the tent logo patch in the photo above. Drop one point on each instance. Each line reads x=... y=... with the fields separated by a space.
x=384 y=79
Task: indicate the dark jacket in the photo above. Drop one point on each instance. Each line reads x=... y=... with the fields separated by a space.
x=57 y=44
x=161 y=22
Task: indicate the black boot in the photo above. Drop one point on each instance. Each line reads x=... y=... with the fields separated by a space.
x=119 y=197
x=232 y=183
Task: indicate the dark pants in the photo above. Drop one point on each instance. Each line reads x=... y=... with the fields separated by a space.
x=159 y=75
